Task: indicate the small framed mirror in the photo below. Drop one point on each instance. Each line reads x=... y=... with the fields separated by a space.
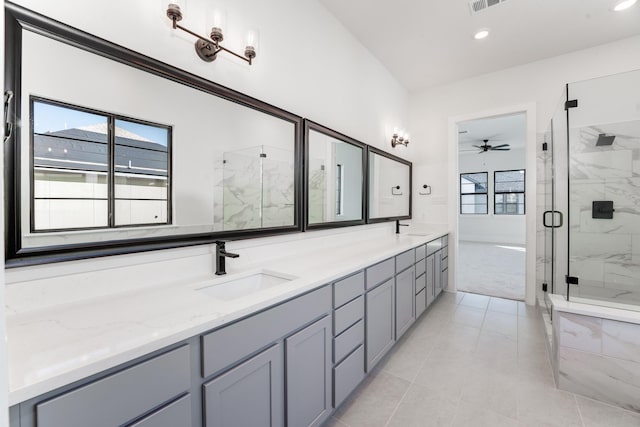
x=334 y=180
x=389 y=179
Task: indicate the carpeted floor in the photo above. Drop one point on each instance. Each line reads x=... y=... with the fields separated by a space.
x=491 y=269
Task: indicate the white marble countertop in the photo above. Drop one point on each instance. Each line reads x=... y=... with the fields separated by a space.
x=57 y=345
x=595 y=308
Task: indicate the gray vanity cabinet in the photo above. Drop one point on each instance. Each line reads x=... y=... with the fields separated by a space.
x=251 y=394
x=405 y=301
x=380 y=316
x=308 y=368
x=438 y=273
x=430 y=273
x=120 y=398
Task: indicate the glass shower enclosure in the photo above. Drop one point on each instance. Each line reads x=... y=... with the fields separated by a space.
x=590 y=185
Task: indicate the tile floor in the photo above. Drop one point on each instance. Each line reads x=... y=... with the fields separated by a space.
x=491 y=269
x=472 y=360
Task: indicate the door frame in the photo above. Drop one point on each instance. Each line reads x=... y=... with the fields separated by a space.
x=529 y=109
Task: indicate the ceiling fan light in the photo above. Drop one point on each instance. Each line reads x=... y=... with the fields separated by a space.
x=483 y=33
x=623 y=5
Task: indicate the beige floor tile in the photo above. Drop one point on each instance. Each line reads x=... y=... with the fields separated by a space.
x=547 y=405
x=424 y=407
x=597 y=414
x=469 y=414
x=502 y=305
x=492 y=389
x=501 y=323
x=374 y=401
x=334 y=422
x=474 y=300
x=468 y=316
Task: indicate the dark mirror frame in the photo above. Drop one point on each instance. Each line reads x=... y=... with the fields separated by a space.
x=399 y=160
x=18 y=18
x=309 y=126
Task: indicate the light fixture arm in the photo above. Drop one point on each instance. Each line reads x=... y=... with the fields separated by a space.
x=207 y=48
x=398 y=140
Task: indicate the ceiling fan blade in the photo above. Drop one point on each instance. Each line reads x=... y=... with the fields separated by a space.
x=500 y=146
x=477 y=146
x=501 y=149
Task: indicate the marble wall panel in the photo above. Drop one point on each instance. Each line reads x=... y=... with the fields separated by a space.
x=580 y=332
x=621 y=340
x=601 y=165
x=604 y=378
x=606 y=293
x=624 y=276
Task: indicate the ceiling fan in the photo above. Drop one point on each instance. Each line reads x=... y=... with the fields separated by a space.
x=486 y=147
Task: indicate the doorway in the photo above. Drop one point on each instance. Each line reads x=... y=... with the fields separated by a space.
x=492 y=206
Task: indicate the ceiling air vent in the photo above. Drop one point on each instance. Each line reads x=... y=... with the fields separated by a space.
x=476 y=6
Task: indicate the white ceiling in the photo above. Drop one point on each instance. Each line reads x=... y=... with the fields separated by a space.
x=510 y=129
x=426 y=43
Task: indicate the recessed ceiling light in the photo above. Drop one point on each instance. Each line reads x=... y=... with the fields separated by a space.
x=623 y=5
x=481 y=34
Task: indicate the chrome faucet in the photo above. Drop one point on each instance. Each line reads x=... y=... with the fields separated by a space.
x=221 y=254
x=398 y=225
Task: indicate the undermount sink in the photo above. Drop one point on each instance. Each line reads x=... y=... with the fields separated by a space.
x=238 y=287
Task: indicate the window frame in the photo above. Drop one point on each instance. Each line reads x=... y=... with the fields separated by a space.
x=523 y=192
x=474 y=193
x=111 y=167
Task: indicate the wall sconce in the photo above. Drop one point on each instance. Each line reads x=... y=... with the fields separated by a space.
x=426 y=190
x=399 y=138
x=208 y=49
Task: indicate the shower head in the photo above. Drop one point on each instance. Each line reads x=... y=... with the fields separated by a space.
x=604 y=140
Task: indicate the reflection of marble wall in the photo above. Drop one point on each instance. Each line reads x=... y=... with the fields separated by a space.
x=605 y=253
x=253 y=191
x=317 y=190
x=598 y=358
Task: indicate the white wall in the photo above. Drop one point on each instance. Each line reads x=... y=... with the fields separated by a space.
x=491 y=227
x=307 y=62
x=535 y=87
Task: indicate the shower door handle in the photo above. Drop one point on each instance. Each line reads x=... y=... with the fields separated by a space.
x=552 y=225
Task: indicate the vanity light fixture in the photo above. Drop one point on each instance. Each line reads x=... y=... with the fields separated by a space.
x=399 y=138
x=621 y=5
x=208 y=49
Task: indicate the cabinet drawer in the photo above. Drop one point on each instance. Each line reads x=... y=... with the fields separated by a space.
x=344 y=290
x=222 y=347
x=347 y=315
x=347 y=375
x=344 y=343
x=434 y=246
x=177 y=413
x=122 y=396
x=421 y=252
x=421 y=283
x=445 y=279
x=445 y=263
x=405 y=260
x=445 y=240
x=421 y=302
x=420 y=267
x=445 y=252
x=380 y=272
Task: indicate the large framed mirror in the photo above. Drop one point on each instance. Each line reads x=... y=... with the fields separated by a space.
x=389 y=187
x=114 y=152
x=334 y=178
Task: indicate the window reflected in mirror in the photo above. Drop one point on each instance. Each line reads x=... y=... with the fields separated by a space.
x=335 y=177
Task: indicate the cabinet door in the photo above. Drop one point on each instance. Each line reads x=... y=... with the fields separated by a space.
x=405 y=301
x=380 y=316
x=248 y=395
x=308 y=372
x=438 y=271
x=431 y=267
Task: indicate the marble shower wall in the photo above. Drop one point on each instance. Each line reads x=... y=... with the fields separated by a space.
x=605 y=253
x=598 y=358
